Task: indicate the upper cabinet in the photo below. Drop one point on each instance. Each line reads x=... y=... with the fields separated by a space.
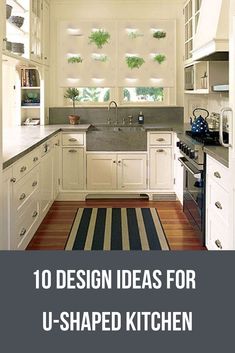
x=36 y=31
x=191 y=17
x=26 y=30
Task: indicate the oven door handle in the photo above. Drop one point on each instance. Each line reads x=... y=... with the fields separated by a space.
x=196 y=175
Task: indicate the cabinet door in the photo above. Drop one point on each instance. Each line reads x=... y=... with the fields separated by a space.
x=161 y=168
x=179 y=178
x=46 y=183
x=56 y=164
x=132 y=171
x=73 y=168
x=46 y=30
x=36 y=31
x=6 y=210
x=101 y=171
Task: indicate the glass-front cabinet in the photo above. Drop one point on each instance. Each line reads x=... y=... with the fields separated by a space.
x=191 y=18
x=36 y=31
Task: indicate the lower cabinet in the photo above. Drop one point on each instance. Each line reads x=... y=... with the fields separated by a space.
x=161 y=168
x=72 y=168
x=6 y=207
x=219 y=234
x=46 y=179
x=106 y=171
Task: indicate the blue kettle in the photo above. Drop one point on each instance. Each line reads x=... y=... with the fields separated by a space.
x=199 y=124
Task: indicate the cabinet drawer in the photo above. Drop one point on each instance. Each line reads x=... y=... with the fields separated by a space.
x=217 y=172
x=218 y=201
x=25 y=222
x=25 y=164
x=73 y=139
x=217 y=234
x=163 y=139
x=24 y=189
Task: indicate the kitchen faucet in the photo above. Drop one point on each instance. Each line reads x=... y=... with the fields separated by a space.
x=116 y=112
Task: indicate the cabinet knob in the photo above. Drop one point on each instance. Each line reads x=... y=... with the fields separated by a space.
x=35 y=183
x=23 y=169
x=35 y=159
x=217 y=175
x=34 y=215
x=23 y=231
x=72 y=140
x=119 y=162
x=218 y=244
x=114 y=161
x=22 y=196
x=72 y=151
x=32 y=52
x=13 y=180
x=45 y=57
x=218 y=205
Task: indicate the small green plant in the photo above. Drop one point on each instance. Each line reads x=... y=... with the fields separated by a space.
x=102 y=58
x=75 y=60
x=160 y=58
x=135 y=34
x=99 y=38
x=73 y=95
x=134 y=62
x=159 y=34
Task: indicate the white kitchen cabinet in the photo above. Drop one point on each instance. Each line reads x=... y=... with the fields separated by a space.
x=178 y=177
x=36 y=30
x=132 y=171
x=218 y=198
x=46 y=31
x=161 y=168
x=6 y=209
x=46 y=178
x=112 y=171
x=72 y=168
x=56 y=164
x=101 y=171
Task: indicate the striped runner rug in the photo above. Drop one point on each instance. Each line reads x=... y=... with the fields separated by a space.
x=117 y=229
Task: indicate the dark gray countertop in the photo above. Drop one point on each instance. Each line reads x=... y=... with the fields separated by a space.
x=20 y=140
x=219 y=153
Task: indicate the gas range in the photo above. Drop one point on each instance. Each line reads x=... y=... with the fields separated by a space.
x=191 y=145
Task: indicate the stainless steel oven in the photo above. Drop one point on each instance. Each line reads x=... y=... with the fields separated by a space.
x=193 y=204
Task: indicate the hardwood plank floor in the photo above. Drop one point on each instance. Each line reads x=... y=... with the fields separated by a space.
x=55 y=228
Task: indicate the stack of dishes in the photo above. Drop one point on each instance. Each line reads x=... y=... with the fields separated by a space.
x=17 y=48
x=8 y=11
x=17 y=21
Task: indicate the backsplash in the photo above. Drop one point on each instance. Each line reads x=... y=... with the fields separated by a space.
x=96 y=115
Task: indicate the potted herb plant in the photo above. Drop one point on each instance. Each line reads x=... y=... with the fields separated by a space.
x=159 y=34
x=73 y=95
x=134 y=62
x=99 y=38
x=160 y=58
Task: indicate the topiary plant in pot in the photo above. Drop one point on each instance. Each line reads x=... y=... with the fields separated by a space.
x=73 y=95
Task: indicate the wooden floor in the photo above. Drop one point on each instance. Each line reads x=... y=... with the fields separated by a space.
x=54 y=230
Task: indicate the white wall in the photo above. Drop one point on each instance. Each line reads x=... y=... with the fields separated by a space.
x=115 y=9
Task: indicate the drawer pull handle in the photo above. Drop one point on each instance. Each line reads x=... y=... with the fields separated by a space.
x=22 y=196
x=23 y=231
x=218 y=244
x=72 y=140
x=34 y=215
x=217 y=175
x=72 y=151
x=23 y=169
x=13 y=180
x=35 y=183
x=160 y=151
x=218 y=205
x=35 y=159
x=160 y=139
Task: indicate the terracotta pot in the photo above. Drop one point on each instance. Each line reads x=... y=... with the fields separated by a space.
x=73 y=119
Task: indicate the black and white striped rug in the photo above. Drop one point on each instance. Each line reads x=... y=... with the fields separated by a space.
x=117 y=229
